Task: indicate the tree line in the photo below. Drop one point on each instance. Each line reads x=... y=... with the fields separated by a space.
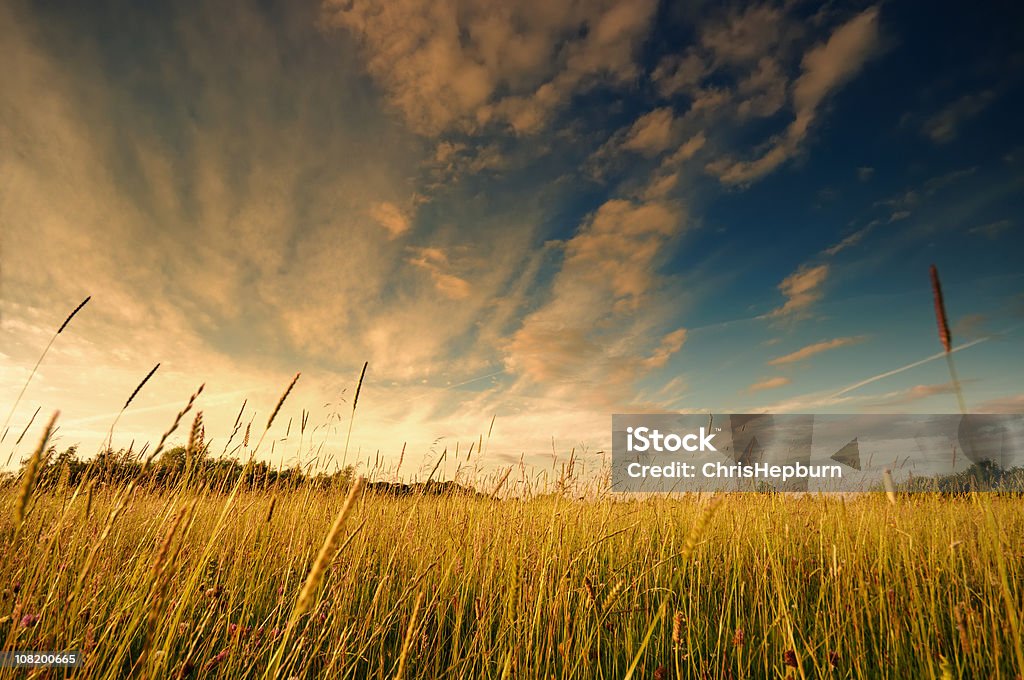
x=174 y=466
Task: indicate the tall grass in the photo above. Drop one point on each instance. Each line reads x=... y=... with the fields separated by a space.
x=175 y=585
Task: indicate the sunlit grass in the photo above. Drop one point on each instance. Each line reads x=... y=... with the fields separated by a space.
x=182 y=584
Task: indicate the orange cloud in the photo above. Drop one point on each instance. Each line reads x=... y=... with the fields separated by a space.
x=769 y=384
x=435 y=261
x=652 y=133
x=816 y=348
x=802 y=288
x=444 y=64
x=915 y=393
x=391 y=217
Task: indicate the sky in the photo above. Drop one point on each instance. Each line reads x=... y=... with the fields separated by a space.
x=534 y=212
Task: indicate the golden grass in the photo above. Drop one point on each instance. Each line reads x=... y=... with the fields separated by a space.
x=30 y=474
x=187 y=583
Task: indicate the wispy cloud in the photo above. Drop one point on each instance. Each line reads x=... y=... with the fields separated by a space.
x=943 y=126
x=652 y=133
x=435 y=262
x=824 y=69
x=769 y=384
x=391 y=217
x=850 y=240
x=815 y=349
x=802 y=289
x=992 y=229
x=1008 y=404
x=911 y=395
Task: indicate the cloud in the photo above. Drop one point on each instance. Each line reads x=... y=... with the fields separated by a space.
x=435 y=262
x=865 y=173
x=744 y=36
x=829 y=398
x=814 y=349
x=902 y=205
x=588 y=341
x=830 y=65
x=802 y=289
x=454 y=160
x=450 y=65
x=902 y=201
x=850 y=240
x=679 y=73
x=240 y=232
x=971 y=326
x=769 y=384
x=824 y=69
x=265 y=226
x=763 y=92
x=670 y=344
x=652 y=133
x=1008 y=404
x=933 y=184
x=912 y=394
x=391 y=217
x=688 y=149
x=665 y=179
x=942 y=127
x=992 y=229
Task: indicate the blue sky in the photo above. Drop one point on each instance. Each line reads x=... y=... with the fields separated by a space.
x=541 y=211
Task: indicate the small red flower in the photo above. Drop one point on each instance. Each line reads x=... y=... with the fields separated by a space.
x=215 y=660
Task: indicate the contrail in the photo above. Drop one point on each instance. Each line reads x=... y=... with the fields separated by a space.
x=473 y=380
x=915 y=364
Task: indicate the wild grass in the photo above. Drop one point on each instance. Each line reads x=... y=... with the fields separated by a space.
x=320 y=582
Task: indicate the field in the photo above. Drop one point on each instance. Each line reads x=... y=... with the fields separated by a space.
x=323 y=582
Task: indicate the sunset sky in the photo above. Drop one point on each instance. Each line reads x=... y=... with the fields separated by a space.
x=541 y=211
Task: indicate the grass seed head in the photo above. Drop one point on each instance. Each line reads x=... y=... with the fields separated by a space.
x=71 y=316
x=678 y=621
x=940 y=311
x=280 y=402
x=31 y=473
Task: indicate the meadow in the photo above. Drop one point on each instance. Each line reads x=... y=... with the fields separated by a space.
x=321 y=580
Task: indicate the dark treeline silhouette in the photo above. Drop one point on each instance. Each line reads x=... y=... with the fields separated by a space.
x=175 y=466
x=429 y=488
x=982 y=476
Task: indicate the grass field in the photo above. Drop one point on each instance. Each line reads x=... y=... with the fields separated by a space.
x=286 y=583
